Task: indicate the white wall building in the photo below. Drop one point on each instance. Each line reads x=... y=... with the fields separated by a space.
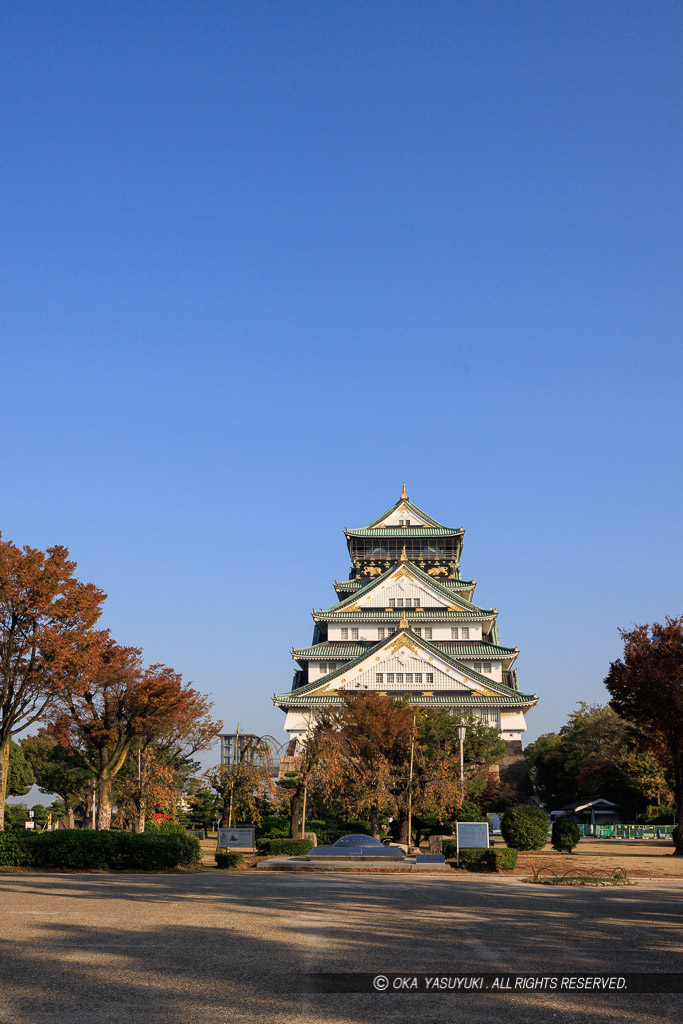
x=405 y=625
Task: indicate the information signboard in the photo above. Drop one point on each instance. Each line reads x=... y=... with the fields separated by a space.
x=242 y=838
x=471 y=835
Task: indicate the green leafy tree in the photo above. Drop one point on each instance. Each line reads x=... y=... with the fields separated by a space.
x=20 y=777
x=647 y=690
x=58 y=769
x=202 y=809
x=594 y=753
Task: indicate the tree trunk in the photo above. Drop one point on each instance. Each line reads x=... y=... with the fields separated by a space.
x=141 y=815
x=104 y=787
x=403 y=827
x=296 y=811
x=4 y=776
x=70 y=822
x=678 y=842
x=374 y=823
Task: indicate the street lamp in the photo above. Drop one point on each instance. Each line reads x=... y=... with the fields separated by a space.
x=461 y=730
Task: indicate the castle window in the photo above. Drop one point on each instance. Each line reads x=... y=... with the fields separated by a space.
x=378 y=677
x=465 y=632
x=418 y=678
x=417 y=630
x=430 y=678
x=354 y=634
x=409 y=678
x=399 y=678
x=416 y=602
x=487 y=667
x=390 y=678
x=380 y=634
x=392 y=602
x=345 y=634
x=428 y=632
x=454 y=633
x=399 y=602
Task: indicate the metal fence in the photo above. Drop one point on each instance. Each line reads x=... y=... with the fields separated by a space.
x=627 y=831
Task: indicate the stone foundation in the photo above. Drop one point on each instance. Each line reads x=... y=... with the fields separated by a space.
x=513 y=770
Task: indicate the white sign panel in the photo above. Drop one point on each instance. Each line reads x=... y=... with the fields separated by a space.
x=244 y=837
x=473 y=835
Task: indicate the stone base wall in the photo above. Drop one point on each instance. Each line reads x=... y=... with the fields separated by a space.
x=513 y=770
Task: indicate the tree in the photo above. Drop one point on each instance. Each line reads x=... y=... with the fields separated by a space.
x=44 y=609
x=647 y=690
x=58 y=769
x=364 y=756
x=202 y=809
x=594 y=753
x=243 y=785
x=20 y=777
x=160 y=768
x=106 y=703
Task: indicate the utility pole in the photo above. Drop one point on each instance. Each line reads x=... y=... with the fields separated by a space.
x=303 y=812
x=232 y=780
x=93 y=802
x=461 y=730
x=410 y=787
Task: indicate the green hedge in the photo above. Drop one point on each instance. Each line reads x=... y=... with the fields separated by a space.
x=165 y=828
x=486 y=860
x=285 y=847
x=233 y=859
x=82 y=849
x=14 y=848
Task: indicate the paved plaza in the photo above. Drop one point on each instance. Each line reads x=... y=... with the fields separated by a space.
x=216 y=947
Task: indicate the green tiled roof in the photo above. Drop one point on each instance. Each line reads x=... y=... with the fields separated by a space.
x=461 y=699
x=514 y=696
x=332 y=649
x=413 y=508
x=428 y=580
x=378 y=615
x=355 y=585
x=482 y=649
x=406 y=531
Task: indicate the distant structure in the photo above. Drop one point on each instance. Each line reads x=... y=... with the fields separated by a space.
x=405 y=624
x=233 y=747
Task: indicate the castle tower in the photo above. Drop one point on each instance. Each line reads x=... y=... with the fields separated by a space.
x=405 y=625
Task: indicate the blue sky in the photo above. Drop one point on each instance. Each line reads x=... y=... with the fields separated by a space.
x=265 y=261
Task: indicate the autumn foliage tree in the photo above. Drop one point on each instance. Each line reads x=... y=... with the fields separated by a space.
x=107 y=704
x=243 y=786
x=44 y=611
x=647 y=691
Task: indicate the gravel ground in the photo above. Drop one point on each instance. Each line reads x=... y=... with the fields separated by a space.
x=228 y=946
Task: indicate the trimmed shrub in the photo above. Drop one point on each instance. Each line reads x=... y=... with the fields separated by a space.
x=525 y=827
x=285 y=847
x=486 y=860
x=165 y=828
x=565 y=836
x=82 y=849
x=15 y=848
x=233 y=859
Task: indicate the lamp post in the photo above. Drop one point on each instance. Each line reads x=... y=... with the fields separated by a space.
x=461 y=730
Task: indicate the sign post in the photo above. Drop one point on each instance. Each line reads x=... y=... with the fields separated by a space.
x=243 y=838
x=471 y=835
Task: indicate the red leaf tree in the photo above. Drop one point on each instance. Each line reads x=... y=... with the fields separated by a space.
x=44 y=612
x=107 y=704
x=647 y=690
